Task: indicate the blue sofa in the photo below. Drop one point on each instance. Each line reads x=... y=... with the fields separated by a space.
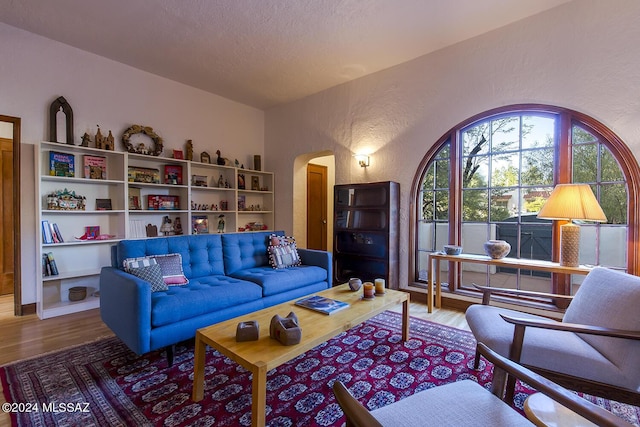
x=229 y=275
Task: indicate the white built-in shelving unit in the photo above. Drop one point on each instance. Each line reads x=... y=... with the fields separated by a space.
x=79 y=261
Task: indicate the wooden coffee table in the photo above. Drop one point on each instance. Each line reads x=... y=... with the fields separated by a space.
x=265 y=354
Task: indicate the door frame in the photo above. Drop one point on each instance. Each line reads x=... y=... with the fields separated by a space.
x=17 y=263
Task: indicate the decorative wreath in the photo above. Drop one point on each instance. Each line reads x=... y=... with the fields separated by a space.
x=141 y=148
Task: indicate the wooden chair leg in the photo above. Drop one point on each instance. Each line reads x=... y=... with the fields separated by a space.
x=171 y=349
x=476 y=360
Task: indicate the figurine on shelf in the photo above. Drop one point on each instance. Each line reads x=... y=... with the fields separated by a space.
x=85 y=140
x=221 y=223
x=100 y=140
x=167 y=228
x=177 y=226
x=221 y=182
x=189 y=150
x=222 y=160
x=110 y=142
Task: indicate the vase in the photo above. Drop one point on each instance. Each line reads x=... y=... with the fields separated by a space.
x=497 y=249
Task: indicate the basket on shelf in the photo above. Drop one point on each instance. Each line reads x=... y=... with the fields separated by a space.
x=77 y=293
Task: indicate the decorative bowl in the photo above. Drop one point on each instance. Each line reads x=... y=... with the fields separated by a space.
x=355 y=283
x=452 y=250
x=77 y=293
x=497 y=249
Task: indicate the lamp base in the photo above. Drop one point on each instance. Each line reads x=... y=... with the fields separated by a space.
x=569 y=245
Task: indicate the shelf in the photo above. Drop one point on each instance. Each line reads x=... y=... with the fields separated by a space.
x=75 y=212
x=71 y=275
x=152 y=185
x=82 y=242
x=156 y=211
x=255 y=212
x=68 y=307
x=77 y=180
x=194 y=187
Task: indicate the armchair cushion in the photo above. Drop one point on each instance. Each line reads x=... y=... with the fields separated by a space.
x=440 y=406
x=601 y=290
x=553 y=350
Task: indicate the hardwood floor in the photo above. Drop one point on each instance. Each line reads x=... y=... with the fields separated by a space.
x=28 y=336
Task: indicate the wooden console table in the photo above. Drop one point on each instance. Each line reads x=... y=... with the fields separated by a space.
x=529 y=264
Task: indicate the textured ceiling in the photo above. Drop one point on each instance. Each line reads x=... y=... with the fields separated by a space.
x=264 y=52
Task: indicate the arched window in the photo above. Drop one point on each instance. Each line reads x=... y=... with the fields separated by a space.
x=488 y=177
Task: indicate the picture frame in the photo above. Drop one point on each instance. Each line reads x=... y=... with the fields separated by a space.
x=178 y=154
x=200 y=224
x=103 y=204
x=199 y=180
x=241 y=184
x=135 y=202
x=255 y=183
x=205 y=157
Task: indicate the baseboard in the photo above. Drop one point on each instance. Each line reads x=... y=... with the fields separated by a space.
x=28 y=309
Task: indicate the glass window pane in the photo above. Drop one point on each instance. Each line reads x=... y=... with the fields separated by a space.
x=505 y=170
x=442 y=205
x=505 y=134
x=442 y=174
x=609 y=168
x=613 y=250
x=475 y=205
x=613 y=200
x=475 y=140
x=473 y=237
x=537 y=167
x=475 y=172
x=535 y=198
x=581 y=136
x=538 y=132
x=428 y=208
x=585 y=161
x=502 y=200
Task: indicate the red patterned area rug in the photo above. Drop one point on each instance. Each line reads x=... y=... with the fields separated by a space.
x=105 y=384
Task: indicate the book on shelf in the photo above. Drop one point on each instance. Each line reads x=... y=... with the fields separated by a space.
x=173 y=174
x=321 y=304
x=55 y=233
x=49 y=267
x=137 y=229
x=95 y=167
x=61 y=164
x=46 y=232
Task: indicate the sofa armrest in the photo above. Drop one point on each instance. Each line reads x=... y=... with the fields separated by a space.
x=125 y=307
x=318 y=258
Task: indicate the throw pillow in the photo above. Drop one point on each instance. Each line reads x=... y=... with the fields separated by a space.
x=283 y=252
x=171 y=266
x=151 y=274
x=147 y=269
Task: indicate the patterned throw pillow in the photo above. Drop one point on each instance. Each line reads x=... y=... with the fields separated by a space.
x=146 y=269
x=283 y=252
x=171 y=266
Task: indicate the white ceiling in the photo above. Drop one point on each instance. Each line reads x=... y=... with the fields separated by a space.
x=264 y=52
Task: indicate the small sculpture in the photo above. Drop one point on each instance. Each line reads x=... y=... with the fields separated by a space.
x=100 y=140
x=286 y=330
x=167 y=228
x=177 y=226
x=221 y=182
x=221 y=223
x=247 y=331
x=86 y=138
x=110 y=142
x=189 y=150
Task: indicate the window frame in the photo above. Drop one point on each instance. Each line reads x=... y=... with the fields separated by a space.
x=565 y=120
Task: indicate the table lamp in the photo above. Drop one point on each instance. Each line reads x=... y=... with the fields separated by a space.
x=569 y=202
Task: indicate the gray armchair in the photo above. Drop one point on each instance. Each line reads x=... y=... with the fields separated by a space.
x=465 y=403
x=595 y=349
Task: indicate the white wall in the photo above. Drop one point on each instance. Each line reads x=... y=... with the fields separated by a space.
x=34 y=71
x=583 y=55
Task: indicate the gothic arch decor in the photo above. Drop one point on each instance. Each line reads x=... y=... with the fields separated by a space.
x=56 y=106
x=156 y=150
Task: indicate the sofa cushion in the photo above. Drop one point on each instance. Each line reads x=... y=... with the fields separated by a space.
x=275 y=281
x=283 y=252
x=245 y=250
x=201 y=254
x=202 y=295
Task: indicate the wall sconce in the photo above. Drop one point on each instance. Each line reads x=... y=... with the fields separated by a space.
x=363 y=160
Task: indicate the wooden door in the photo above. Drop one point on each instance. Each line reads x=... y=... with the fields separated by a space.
x=6 y=217
x=316 y=207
